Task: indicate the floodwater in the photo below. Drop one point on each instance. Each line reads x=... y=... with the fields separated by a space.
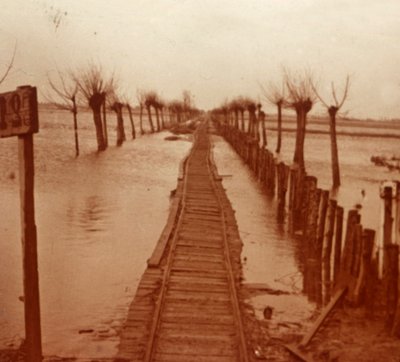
x=270 y=256
x=99 y=217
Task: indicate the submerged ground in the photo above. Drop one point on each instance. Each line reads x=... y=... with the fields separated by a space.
x=100 y=215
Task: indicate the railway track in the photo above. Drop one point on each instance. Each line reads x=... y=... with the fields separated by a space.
x=197 y=315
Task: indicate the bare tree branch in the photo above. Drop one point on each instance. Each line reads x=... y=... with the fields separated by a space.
x=273 y=94
x=66 y=92
x=318 y=95
x=334 y=93
x=92 y=81
x=10 y=65
x=345 y=93
x=299 y=87
x=338 y=104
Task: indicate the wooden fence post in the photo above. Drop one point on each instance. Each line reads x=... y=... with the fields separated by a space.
x=388 y=219
x=29 y=247
x=368 y=238
x=273 y=174
x=338 y=243
x=397 y=222
x=292 y=192
x=282 y=185
x=348 y=249
x=371 y=286
x=391 y=282
x=322 y=216
x=310 y=185
x=327 y=247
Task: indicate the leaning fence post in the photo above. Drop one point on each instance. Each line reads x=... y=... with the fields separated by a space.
x=391 y=281
x=338 y=243
x=322 y=216
x=327 y=246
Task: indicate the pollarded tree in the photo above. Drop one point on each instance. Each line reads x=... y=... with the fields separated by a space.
x=161 y=107
x=94 y=86
x=251 y=108
x=157 y=103
x=301 y=98
x=129 y=107
x=234 y=106
x=150 y=99
x=241 y=106
x=187 y=104
x=65 y=90
x=225 y=112
x=247 y=104
x=116 y=104
x=176 y=109
x=141 y=98
x=276 y=96
x=333 y=109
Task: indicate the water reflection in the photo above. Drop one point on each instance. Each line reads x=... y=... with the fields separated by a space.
x=98 y=219
x=92 y=216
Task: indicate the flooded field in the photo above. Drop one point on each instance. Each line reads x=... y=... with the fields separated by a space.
x=100 y=215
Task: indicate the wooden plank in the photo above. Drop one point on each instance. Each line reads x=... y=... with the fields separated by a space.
x=174 y=357
x=155 y=259
x=322 y=317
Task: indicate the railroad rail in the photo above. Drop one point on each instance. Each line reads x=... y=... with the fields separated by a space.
x=195 y=315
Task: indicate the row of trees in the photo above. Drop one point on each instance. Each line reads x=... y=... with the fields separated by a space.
x=91 y=87
x=299 y=93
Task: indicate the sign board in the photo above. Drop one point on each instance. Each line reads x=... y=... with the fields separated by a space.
x=19 y=112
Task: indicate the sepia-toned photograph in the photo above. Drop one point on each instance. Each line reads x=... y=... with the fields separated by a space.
x=199 y=181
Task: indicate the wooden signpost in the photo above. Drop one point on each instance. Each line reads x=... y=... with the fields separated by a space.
x=19 y=117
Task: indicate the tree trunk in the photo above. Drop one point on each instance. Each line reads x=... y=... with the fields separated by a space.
x=257 y=127
x=242 y=119
x=158 y=119
x=300 y=137
x=105 y=122
x=236 y=119
x=249 y=126
x=162 y=119
x=131 y=119
x=334 y=148
x=141 y=119
x=264 y=133
x=168 y=116
x=95 y=102
x=279 y=142
x=150 y=119
x=117 y=107
x=75 y=112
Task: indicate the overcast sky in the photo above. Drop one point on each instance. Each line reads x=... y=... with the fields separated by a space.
x=216 y=48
